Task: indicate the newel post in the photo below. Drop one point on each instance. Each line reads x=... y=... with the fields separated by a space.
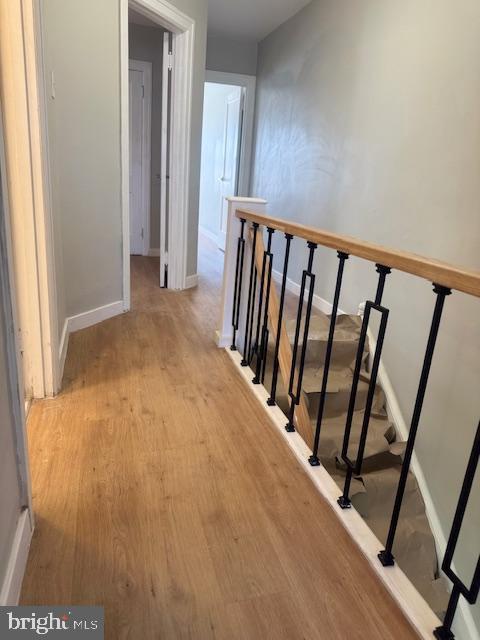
x=224 y=331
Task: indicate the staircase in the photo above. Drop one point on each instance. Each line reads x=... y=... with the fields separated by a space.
x=374 y=490
x=318 y=373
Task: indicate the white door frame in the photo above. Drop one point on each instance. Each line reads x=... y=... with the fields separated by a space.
x=246 y=143
x=146 y=69
x=183 y=28
x=31 y=215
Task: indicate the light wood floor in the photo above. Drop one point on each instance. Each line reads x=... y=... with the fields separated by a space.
x=162 y=493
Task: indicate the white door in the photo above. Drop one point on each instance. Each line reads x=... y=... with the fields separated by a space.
x=140 y=97
x=136 y=130
x=165 y=154
x=229 y=160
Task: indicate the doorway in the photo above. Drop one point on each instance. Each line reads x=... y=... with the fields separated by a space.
x=169 y=181
x=226 y=149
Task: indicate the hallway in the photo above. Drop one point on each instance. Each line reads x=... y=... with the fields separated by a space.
x=162 y=494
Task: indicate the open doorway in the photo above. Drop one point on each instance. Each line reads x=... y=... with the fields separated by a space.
x=174 y=39
x=226 y=150
x=149 y=101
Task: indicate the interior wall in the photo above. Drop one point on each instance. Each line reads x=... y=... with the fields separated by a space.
x=368 y=124
x=231 y=56
x=146 y=44
x=213 y=136
x=82 y=50
x=12 y=498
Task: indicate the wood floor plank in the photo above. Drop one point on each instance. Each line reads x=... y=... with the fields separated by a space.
x=163 y=494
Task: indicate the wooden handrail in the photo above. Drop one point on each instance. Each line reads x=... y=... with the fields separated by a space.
x=442 y=273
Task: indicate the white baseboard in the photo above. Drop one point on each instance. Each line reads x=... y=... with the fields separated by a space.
x=399 y=586
x=63 y=352
x=223 y=340
x=82 y=321
x=12 y=582
x=191 y=281
x=319 y=303
x=94 y=316
x=153 y=253
x=208 y=234
x=464 y=624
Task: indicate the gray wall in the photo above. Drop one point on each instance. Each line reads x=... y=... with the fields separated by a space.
x=232 y=56
x=10 y=499
x=82 y=47
x=146 y=43
x=10 y=493
x=368 y=123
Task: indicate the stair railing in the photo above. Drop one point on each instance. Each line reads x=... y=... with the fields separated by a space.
x=250 y=318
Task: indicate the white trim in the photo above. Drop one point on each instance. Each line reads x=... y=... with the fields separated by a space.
x=17 y=561
x=396 y=582
x=31 y=218
x=31 y=11
x=248 y=83
x=94 y=316
x=183 y=28
x=165 y=146
x=146 y=68
x=63 y=349
x=191 y=281
x=124 y=152
x=154 y=253
x=319 y=303
x=82 y=321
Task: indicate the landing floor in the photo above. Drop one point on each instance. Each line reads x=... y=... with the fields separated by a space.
x=162 y=493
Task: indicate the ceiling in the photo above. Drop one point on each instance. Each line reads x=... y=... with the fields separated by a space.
x=250 y=19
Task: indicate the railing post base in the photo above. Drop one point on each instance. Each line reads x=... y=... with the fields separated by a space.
x=314 y=461
x=289 y=427
x=271 y=402
x=255 y=380
x=386 y=558
x=233 y=347
x=344 y=503
x=243 y=363
x=443 y=634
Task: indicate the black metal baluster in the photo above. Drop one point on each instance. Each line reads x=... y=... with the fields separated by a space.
x=249 y=321
x=252 y=347
x=386 y=557
x=356 y=467
x=295 y=397
x=459 y=588
x=237 y=290
x=273 y=390
x=261 y=338
x=313 y=459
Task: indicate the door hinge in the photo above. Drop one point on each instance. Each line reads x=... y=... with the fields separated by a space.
x=143 y=91
x=142 y=233
x=170 y=61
